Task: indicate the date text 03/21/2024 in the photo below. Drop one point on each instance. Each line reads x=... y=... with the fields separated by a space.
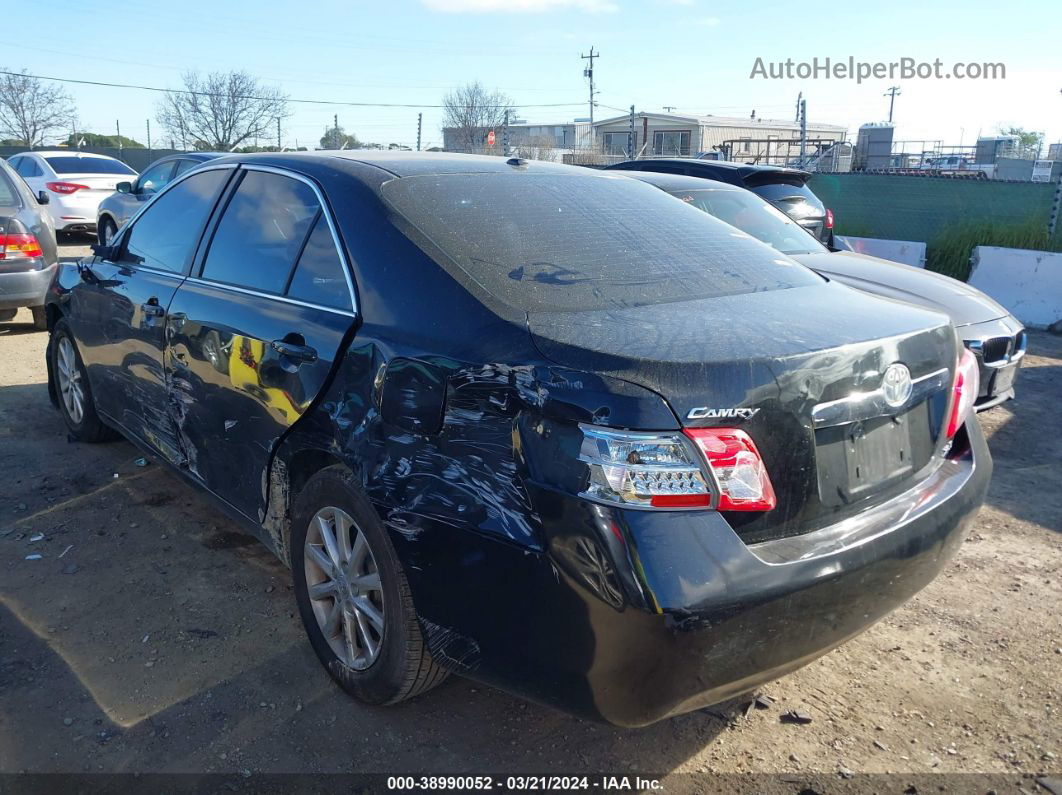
x=522 y=783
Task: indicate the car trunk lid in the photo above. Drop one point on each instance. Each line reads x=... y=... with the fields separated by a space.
x=807 y=362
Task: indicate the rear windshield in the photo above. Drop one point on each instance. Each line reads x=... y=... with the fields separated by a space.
x=88 y=165
x=780 y=191
x=751 y=214
x=559 y=243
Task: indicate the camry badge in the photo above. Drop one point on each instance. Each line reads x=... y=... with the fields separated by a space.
x=896 y=385
x=705 y=413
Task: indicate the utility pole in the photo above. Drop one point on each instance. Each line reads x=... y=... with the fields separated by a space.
x=420 y=121
x=505 y=134
x=588 y=73
x=630 y=137
x=278 y=134
x=118 y=130
x=803 y=130
x=800 y=98
x=148 y=122
x=891 y=94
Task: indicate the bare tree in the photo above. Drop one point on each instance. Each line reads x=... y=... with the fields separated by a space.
x=221 y=110
x=471 y=111
x=31 y=109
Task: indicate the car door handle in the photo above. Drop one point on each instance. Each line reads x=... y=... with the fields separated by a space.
x=298 y=353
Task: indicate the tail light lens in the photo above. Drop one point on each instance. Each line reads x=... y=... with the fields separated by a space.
x=658 y=470
x=964 y=392
x=829 y=218
x=19 y=246
x=664 y=470
x=744 y=484
x=65 y=188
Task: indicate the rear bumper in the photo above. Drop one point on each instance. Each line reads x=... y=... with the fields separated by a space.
x=25 y=288
x=633 y=616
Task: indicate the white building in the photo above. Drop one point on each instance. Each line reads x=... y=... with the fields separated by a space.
x=744 y=139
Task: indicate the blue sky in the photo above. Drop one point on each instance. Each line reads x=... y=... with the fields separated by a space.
x=696 y=55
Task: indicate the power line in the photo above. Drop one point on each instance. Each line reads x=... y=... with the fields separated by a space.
x=294 y=101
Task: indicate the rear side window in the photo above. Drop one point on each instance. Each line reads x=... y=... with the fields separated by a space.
x=154 y=179
x=8 y=196
x=262 y=232
x=165 y=235
x=185 y=165
x=29 y=167
x=318 y=277
x=68 y=164
x=551 y=242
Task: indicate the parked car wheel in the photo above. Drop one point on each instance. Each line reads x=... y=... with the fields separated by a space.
x=106 y=231
x=353 y=596
x=73 y=390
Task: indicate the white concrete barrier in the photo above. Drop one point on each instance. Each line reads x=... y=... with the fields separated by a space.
x=909 y=252
x=1027 y=283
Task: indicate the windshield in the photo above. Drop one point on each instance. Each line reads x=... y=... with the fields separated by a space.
x=755 y=217
x=88 y=165
x=554 y=243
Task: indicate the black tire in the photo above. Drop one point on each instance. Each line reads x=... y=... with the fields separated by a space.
x=404 y=668
x=90 y=428
x=40 y=318
x=105 y=231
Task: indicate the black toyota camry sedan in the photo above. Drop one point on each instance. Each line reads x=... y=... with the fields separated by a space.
x=540 y=426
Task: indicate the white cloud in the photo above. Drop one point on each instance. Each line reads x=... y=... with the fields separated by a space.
x=518 y=6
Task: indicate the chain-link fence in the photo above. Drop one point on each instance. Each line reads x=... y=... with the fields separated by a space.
x=134 y=157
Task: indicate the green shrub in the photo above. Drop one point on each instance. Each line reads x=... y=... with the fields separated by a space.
x=949 y=252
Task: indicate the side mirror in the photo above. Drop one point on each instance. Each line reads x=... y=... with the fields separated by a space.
x=124 y=187
x=43 y=197
x=107 y=253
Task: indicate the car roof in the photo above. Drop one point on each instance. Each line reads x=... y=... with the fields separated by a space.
x=670 y=182
x=411 y=164
x=742 y=169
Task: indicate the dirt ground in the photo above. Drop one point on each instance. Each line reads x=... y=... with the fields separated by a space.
x=150 y=636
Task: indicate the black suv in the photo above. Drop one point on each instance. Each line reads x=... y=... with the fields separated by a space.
x=785 y=188
x=542 y=426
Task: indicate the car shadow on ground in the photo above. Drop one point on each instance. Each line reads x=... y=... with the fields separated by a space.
x=14 y=328
x=149 y=635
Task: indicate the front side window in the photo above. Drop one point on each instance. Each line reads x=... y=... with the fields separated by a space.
x=262 y=232
x=569 y=243
x=165 y=235
x=154 y=179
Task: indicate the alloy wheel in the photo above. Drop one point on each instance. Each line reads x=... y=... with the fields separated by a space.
x=344 y=587
x=70 y=386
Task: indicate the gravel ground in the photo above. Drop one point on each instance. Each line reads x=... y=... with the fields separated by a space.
x=150 y=636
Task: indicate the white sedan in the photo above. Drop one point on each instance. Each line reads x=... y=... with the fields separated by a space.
x=75 y=182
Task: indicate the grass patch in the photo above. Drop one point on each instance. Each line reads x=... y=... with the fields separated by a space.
x=949 y=252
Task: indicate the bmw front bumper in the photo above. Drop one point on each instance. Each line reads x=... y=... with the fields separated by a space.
x=999 y=346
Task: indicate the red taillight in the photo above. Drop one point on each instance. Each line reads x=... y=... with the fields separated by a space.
x=18 y=246
x=964 y=392
x=65 y=188
x=743 y=481
x=829 y=218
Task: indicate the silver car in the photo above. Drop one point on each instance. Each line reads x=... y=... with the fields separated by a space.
x=995 y=337
x=28 y=252
x=122 y=205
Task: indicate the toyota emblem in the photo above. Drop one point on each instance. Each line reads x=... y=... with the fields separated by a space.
x=896 y=384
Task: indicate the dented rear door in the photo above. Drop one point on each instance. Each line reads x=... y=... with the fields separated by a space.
x=254 y=333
